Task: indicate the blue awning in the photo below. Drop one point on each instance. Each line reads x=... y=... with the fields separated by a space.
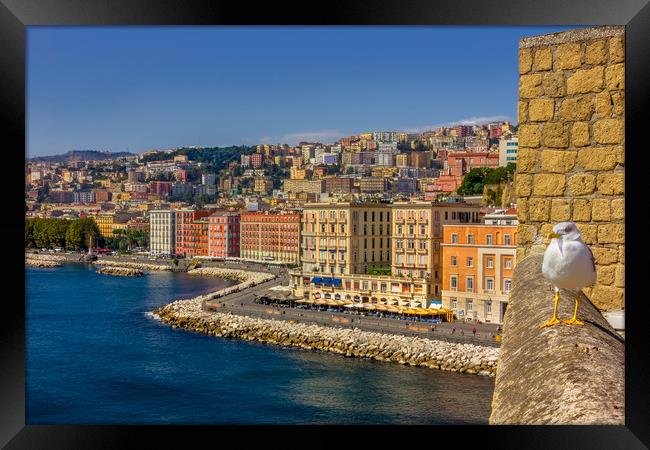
x=336 y=281
x=327 y=281
x=316 y=280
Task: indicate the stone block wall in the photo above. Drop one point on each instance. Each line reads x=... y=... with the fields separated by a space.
x=571 y=159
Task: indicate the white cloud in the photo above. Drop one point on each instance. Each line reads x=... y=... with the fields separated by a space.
x=324 y=136
x=479 y=120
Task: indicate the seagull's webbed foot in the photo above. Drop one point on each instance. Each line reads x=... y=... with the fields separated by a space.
x=549 y=323
x=574 y=321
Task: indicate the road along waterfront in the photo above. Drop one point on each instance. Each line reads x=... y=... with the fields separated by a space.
x=199 y=314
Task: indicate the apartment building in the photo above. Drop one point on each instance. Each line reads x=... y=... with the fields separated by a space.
x=162 y=232
x=223 y=235
x=479 y=262
x=191 y=237
x=271 y=237
x=417 y=236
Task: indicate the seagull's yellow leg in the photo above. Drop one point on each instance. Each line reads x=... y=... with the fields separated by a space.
x=554 y=319
x=574 y=320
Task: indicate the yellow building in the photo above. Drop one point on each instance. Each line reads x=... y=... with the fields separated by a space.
x=104 y=223
x=384 y=171
x=417 y=236
x=366 y=136
x=402 y=160
x=297 y=173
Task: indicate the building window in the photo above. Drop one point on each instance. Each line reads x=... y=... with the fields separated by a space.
x=454 y=238
x=507 y=284
x=470 y=262
x=470 y=305
x=490 y=263
x=454 y=304
x=508 y=263
x=489 y=284
x=470 y=238
x=488 y=239
x=454 y=283
x=453 y=261
x=423 y=230
x=364 y=285
x=470 y=284
x=488 y=308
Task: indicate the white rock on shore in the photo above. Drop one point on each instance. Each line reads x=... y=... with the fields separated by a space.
x=41 y=260
x=132 y=265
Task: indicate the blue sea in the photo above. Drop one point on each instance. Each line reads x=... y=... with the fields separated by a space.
x=95 y=357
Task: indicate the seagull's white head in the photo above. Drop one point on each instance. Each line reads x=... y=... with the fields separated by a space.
x=567 y=231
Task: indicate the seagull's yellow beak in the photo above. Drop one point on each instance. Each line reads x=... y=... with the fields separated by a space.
x=553 y=235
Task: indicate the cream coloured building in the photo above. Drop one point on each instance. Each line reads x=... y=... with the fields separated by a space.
x=162 y=232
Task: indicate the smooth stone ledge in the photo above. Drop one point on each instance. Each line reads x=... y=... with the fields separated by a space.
x=562 y=374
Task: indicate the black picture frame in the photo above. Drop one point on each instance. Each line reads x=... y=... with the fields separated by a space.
x=16 y=15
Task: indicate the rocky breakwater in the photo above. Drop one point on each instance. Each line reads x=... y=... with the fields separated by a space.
x=43 y=261
x=121 y=271
x=246 y=279
x=132 y=265
x=415 y=351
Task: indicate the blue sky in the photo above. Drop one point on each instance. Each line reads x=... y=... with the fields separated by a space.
x=143 y=88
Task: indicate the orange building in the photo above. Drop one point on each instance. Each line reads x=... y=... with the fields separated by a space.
x=191 y=232
x=478 y=263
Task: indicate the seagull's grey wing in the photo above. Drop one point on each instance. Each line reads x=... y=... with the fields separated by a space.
x=593 y=260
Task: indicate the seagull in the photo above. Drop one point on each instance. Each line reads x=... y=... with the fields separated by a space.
x=568 y=264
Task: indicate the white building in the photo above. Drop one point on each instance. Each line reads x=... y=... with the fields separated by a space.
x=162 y=231
x=508 y=150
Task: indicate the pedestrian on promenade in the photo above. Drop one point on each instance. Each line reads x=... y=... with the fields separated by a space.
x=453 y=330
x=474 y=331
x=462 y=332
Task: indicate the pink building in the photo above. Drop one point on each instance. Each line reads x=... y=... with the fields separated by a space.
x=256 y=160
x=462 y=162
x=223 y=235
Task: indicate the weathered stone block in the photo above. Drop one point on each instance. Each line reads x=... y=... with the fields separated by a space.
x=568 y=56
x=556 y=135
x=577 y=108
x=554 y=84
x=607 y=297
x=545 y=230
x=611 y=183
x=530 y=86
x=560 y=161
x=581 y=210
x=609 y=131
x=617 y=50
x=522 y=209
x=526 y=234
x=543 y=59
x=560 y=210
x=600 y=158
x=600 y=210
x=586 y=80
x=618 y=100
x=596 y=52
x=525 y=60
x=538 y=209
x=541 y=110
x=588 y=232
x=529 y=136
x=603 y=104
x=580 y=134
x=615 y=77
x=548 y=185
x=522 y=112
x=605 y=275
x=581 y=183
x=604 y=255
x=526 y=159
x=618 y=209
x=619 y=276
x=621 y=253
x=523 y=185
x=611 y=233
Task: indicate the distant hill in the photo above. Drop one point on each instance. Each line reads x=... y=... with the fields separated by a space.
x=81 y=155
